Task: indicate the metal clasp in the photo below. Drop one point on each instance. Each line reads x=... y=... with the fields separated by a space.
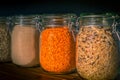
x=38 y=22
x=114 y=25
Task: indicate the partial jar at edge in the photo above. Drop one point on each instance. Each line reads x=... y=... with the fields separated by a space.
x=97 y=56
x=25 y=41
x=57 y=45
x=5 y=40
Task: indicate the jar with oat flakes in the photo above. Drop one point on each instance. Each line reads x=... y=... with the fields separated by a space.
x=57 y=44
x=97 y=55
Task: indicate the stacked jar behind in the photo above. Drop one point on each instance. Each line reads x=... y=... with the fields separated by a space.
x=57 y=44
x=97 y=55
x=25 y=42
x=4 y=40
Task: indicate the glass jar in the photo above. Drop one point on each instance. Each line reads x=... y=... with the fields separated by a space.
x=25 y=41
x=97 y=55
x=4 y=40
x=57 y=45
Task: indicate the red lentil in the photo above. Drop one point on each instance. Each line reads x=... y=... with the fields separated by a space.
x=57 y=50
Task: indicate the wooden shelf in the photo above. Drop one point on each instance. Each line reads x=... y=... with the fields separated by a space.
x=10 y=71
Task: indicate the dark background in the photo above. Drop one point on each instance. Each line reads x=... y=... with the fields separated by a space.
x=59 y=6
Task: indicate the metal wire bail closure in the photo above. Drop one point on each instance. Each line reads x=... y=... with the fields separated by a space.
x=114 y=25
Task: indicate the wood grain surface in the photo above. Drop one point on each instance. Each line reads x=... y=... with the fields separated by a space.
x=10 y=71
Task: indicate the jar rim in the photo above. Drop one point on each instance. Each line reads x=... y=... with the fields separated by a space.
x=98 y=15
x=67 y=15
x=24 y=16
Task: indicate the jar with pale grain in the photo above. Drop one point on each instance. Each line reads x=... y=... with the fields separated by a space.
x=25 y=42
x=97 y=56
x=57 y=44
x=5 y=40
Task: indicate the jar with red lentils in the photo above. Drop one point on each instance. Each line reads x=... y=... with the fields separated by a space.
x=57 y=44
x=97 y=55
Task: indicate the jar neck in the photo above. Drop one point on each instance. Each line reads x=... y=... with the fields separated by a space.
x=3 y=20
x=57 y=20
x=24 y=20
x=98 y=20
